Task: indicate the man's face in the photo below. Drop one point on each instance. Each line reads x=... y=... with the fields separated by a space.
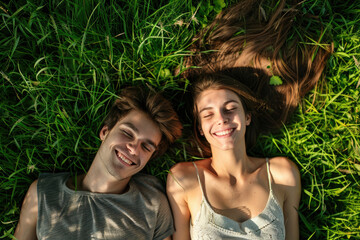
x=129 y=145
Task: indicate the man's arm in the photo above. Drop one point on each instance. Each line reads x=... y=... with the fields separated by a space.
x=26 y=228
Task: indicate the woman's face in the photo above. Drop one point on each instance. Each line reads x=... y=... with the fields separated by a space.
x=222 y=118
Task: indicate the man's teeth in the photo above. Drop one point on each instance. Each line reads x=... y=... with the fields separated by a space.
x=124 y=159
x=222 y=133
x=127 y=161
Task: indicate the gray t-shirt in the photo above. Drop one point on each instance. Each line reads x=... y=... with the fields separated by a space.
x=142 y=212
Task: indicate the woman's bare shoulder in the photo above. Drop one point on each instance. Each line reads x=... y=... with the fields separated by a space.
x=184 y=173
x=188 y=167
x=284 y=171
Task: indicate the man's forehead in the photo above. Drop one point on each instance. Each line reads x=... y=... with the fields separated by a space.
x=141 y=123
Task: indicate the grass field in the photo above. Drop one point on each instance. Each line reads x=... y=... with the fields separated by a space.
x=63 y=62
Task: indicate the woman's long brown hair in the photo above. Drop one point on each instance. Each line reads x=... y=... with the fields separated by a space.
x=243 y=36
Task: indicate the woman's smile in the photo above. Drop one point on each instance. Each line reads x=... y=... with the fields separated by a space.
x=224 y=133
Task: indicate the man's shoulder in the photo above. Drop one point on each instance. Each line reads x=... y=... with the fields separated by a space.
x=148 y=184
x=48 y=175
x=146 y=179
x=51 y=182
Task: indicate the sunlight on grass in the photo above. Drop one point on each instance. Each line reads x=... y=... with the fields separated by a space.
x=63 y=62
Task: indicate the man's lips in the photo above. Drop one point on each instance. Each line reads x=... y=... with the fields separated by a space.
x=124 y=159
x=224 y=133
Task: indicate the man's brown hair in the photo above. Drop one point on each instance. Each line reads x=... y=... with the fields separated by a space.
x=155 y=105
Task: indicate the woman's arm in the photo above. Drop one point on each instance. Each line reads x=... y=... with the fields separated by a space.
x=26 y=228
x=287 y=179
x=291 y=202
x=178 y=202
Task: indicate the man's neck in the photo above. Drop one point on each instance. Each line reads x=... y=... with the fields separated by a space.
x=96 y=182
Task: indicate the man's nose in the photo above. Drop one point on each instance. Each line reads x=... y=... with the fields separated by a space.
x=133 y=147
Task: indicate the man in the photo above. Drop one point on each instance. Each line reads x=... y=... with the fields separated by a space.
x=110 y=201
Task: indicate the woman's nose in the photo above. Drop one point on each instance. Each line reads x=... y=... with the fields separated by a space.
x=222 y=118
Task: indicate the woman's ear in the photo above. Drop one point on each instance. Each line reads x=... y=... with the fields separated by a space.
x=248 y=119
x=103 y=132
x=201 y=131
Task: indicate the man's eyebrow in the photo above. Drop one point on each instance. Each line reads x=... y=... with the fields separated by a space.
x=132 y=126
x=151 y=143
x=136 y=130
x=227 y=102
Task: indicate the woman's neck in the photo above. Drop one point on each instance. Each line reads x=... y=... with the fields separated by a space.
x=234 y=162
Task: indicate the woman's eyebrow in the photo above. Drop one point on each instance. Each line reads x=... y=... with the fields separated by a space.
x=204 y=109
x=225 y=103
x=231 y=101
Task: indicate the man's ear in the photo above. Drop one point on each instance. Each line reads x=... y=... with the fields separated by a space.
x=103 y=132
x=248 y=119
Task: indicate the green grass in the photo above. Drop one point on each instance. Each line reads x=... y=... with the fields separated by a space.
x=63 y=62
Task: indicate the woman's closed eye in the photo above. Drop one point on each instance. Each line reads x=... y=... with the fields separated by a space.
x=231 y=109
x=207 y=115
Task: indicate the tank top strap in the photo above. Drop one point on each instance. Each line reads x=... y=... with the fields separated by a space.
x=198 y=177
x=268 y=173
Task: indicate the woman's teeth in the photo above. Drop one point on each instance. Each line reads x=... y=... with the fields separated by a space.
x=223 y=133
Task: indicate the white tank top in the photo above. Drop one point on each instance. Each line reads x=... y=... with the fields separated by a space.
x=208 y=224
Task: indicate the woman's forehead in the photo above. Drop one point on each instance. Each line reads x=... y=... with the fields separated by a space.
x=219 y=96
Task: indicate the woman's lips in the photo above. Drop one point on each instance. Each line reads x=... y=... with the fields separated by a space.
x=224 y=133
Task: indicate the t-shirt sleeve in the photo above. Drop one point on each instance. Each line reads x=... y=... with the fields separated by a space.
x=164 y=221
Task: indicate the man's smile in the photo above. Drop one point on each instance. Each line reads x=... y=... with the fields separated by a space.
x=124 y=159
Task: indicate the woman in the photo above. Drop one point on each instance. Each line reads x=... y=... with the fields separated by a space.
x=232 y=195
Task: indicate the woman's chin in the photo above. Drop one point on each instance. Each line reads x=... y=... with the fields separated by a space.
x=224 y=147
